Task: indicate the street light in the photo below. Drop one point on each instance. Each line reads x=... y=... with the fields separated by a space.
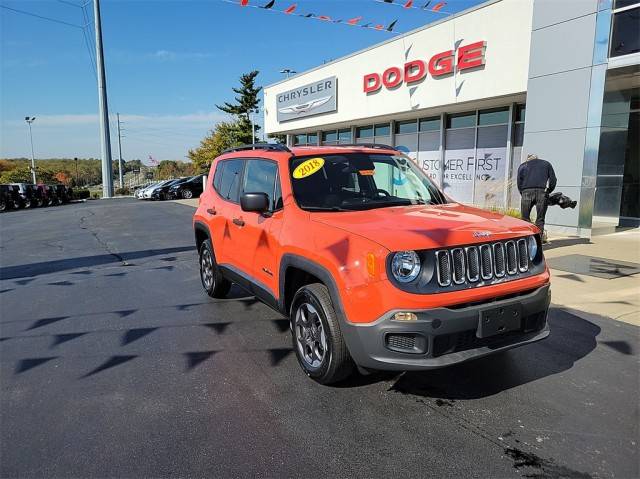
x=29 y=120
x=288 y=72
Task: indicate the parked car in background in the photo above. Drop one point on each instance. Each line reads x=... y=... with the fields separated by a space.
x=191 y=188
x=9 y=197
x=30 y=196
x=149 y=191
x=160 y=193
x=62 y=192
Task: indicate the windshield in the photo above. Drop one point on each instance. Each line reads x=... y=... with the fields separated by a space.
x=358 y=181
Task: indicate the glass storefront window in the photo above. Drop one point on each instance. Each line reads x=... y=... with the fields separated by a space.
x=312 y=139
x=410 y=126
x=300 y=140
x=520 y=112
x=364 y=132
x=624 y=33
x=383 y=129
x=344 y=135
x=430 y=124
x=461 y=120
x=495 y=116
x=491 y=166
x=330 y=136
x=625 y=3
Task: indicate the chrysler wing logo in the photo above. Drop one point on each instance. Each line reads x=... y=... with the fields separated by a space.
x=481 y=234
x=305 y=107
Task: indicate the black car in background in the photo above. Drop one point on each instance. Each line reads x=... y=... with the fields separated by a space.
x=62 y=193
x=161 y=192
x=190 y=188
x=30 y=196
x=9 y=197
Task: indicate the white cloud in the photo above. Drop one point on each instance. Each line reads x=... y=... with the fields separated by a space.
x=167 y=55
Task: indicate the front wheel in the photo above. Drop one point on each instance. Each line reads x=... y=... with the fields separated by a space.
x=317 y=339
x=187 y=194
x=212 y=280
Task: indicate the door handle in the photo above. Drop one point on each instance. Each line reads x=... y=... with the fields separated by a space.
x=238 y=221
x=211 y=211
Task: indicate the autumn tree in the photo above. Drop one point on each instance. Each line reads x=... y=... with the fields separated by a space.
x=224 y=135
x=246 y=103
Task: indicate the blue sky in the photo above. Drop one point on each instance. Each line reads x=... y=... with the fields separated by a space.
x=168 y=64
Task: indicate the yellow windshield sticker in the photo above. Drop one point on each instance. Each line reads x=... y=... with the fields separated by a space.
x=308 y=168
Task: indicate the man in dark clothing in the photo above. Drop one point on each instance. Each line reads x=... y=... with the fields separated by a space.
x=536 y=179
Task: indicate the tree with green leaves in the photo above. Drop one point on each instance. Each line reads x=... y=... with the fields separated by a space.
x=223 y=136
x=246 y=103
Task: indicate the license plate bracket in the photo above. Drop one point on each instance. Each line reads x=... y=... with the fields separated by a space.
x=499 y=320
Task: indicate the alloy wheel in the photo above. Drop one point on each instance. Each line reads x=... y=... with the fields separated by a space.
x=206 y=270
x=187 y=194
x=310 y=336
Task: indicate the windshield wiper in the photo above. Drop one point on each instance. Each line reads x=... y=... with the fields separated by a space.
x=324 y=208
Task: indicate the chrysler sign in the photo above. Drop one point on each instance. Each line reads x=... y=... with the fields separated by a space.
x=307 y=100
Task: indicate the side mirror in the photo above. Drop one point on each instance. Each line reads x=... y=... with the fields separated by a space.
x=258 y=202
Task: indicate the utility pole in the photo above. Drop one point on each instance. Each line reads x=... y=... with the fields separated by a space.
x=105 y=141
x=29 y=120
x=119 y=154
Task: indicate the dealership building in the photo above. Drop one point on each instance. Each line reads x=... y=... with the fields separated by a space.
x=468 y=97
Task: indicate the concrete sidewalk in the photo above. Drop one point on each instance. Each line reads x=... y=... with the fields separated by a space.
x=617 y=298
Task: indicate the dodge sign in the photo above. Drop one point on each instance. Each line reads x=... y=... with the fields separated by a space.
x=307 y=100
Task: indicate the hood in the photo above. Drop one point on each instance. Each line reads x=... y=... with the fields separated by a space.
x=425 y=227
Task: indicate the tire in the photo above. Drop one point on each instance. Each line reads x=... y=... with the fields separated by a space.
x=325 y=339
x=28 y=203
x=3 y=206
x=187 y=194
x=212 y=281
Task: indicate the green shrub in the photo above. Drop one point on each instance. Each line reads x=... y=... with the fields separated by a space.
x=123 y=191
x=96 y=196
x=81 y=194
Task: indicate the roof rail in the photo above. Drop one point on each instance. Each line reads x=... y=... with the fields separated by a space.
x=375 y=146
x=259 y=146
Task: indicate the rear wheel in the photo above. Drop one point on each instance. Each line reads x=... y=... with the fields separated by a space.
x=317 y=339
x=28 y=203
x=187 y=194
x=212 y=281
x=3 y=205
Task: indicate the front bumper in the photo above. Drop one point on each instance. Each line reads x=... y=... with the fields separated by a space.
x=444 y=336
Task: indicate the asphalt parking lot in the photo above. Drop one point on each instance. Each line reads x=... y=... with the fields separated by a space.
x=114 y=363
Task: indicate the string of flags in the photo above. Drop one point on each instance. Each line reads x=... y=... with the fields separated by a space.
x=429 y=6
x=292 y=10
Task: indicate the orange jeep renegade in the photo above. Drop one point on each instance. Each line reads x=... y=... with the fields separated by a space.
x=375 y=267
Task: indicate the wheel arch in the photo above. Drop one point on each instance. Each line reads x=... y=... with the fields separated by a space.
x=202 y=233
x=295 y=272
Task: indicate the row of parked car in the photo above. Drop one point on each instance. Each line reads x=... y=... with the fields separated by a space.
x=189 y=187
x=26 y=195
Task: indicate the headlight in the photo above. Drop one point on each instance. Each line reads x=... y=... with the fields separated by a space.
x=405 y=266
x=532 y=247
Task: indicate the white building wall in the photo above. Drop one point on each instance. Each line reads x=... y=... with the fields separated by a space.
x=505 y=26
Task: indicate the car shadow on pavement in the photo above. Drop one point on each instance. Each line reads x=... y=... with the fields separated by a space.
x=571 y=339
x=47 y=267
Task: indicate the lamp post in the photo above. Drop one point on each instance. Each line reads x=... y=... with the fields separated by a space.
x=29 y=120
x=288 y=72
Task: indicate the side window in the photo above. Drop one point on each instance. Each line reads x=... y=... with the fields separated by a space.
x=229 y=187
x=260 y=177
x=217 y=175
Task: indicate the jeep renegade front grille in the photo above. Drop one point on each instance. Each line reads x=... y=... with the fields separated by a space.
x=485 y=262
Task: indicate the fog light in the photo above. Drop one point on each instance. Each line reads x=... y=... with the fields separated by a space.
x=405 y=316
